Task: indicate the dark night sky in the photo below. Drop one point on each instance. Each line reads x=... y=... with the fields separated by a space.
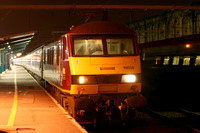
x=45 y=21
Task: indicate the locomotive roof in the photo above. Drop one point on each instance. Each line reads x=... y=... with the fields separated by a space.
x=100 y=27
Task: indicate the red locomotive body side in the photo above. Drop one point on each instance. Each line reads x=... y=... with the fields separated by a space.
x=66 y=67
x=69 y=45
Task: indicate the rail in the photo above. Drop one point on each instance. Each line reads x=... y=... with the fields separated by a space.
x=155 y=7
x=179 y=122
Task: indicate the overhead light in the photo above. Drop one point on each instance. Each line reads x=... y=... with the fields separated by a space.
x=23 y=43
x=20 y=40
x=9 y=47
x=20 y=36
x=19 y=54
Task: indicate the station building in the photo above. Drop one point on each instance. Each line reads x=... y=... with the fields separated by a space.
x=168 y=24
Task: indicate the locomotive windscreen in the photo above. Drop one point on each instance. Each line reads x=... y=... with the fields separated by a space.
x=103 y=45
x=88 y=46
x=119 y=46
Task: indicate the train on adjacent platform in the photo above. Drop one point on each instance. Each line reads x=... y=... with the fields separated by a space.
x=171 y=70
x=92 y=70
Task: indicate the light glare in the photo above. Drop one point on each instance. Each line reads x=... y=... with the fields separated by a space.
x=128 y=78
x=187 y=45
x=81 y=80
x=19 y=54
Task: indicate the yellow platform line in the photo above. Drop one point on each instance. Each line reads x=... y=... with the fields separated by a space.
x=14 y=107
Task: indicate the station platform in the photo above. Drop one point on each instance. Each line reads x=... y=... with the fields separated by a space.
x=25 y=107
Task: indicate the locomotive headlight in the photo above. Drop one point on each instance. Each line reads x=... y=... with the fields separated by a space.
x=86 y=79
x=81 y=80
x=128 y=78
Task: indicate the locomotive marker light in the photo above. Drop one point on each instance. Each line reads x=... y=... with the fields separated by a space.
x=128 y=79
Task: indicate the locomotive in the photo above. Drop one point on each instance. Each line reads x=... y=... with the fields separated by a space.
x=91 y=70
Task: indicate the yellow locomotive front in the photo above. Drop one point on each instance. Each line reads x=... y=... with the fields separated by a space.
x=104 y=65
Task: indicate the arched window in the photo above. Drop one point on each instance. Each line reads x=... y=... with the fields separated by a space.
x=198 y=24
x=187 y=26
x=178 y=27
x=171 y=28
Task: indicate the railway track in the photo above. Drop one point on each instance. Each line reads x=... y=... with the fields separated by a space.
x=188 y=121
x=155 y=122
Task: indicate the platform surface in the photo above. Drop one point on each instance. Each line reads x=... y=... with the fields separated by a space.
x=25 y=107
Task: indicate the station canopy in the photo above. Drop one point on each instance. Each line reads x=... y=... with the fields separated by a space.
x=17 y=43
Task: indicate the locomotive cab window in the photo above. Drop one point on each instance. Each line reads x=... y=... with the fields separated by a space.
x=120 y=46
x=88 y=46
x=103 y=45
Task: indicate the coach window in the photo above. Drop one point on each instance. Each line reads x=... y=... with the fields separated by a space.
x=0 y=57
x=48 y=56
x=175 y=60
x=197 y=61
x=44 y=56
x=158 y=60
x=166 y=60
x=186 y=60
x=58 y=54
x=52 y=53
x=192 y=60
x=55 y=55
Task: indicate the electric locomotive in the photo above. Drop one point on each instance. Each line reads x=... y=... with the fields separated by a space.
x=90 y=70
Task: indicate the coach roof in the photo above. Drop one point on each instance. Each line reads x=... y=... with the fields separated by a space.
x=100 y=27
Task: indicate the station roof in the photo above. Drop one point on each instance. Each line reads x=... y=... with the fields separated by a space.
x=16 y=43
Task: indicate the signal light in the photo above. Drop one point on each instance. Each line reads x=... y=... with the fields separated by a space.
x=187 y=45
